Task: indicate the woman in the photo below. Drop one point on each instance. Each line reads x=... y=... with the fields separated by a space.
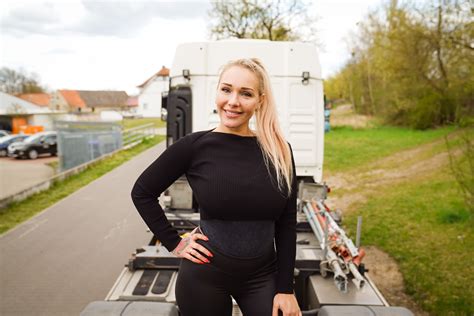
x=245 y=184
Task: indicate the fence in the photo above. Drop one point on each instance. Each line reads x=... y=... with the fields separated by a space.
x=79 y=142
x=85 y=130
x=135 y=135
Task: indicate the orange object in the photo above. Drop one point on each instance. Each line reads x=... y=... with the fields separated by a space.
x=31 y=129
x=359 y=258
x=17 y=122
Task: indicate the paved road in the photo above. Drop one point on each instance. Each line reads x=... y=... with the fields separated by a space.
x=71 y=253
x=17 y=175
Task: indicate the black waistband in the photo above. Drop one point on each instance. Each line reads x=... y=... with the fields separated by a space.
x=241 y=265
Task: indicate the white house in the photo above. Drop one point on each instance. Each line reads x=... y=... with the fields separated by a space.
x=149 y=99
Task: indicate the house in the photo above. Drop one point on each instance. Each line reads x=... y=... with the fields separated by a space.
x=104 y=100
x=16 y=113
x=67 y=100
x=149 y=99
x=85 y=101
x=41 y=99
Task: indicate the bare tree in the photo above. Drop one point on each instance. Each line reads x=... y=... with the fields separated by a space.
x=273 y=20
x=16 y=82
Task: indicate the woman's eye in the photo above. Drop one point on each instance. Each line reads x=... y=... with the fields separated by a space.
x=225 y=89
x=247 y=94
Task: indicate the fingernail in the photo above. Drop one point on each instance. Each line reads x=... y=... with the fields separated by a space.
x=211 y=255
x=207 y=261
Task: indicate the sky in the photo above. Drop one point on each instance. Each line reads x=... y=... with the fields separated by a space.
x=117 y=45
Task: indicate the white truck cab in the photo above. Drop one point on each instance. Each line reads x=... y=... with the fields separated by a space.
x=295 y=75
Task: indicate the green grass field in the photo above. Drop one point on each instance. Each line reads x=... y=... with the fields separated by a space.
x=18 y=212
x=422 y=222
x=346 y=148
x=130 y=123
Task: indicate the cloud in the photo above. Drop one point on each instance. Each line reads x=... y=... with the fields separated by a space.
x=97 y=18
x=125 y=19
x=30 y=20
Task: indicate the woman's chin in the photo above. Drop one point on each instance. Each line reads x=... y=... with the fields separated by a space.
x=231 y=123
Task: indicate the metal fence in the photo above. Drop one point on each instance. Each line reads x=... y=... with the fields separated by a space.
x=80 y=142
x=136 y=134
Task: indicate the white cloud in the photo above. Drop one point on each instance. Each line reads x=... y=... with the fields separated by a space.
x=118 y=44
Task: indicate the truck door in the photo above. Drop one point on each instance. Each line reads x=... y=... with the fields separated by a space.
x=179 y=117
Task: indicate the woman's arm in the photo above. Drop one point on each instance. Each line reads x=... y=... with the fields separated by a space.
x=168 y=167
x=285 y=240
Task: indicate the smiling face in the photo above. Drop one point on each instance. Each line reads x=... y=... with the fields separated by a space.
x=237 y=99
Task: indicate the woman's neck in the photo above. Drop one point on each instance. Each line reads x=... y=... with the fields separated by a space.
x=245 y=131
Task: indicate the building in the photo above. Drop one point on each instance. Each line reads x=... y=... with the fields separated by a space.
x=149 y=99
x=16 y=114
x=85 y=101
x=41 y=99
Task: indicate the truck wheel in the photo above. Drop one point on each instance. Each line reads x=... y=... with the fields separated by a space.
x=32 y=154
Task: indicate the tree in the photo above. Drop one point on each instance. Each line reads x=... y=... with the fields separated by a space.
x=273 y=20
x=17 y=82
x=412 y=64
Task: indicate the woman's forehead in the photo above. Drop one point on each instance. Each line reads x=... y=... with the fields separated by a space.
x=237 y=76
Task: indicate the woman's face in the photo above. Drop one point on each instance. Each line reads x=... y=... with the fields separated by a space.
x=237 y=98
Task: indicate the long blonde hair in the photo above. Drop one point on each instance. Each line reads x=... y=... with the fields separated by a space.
x=274 y=147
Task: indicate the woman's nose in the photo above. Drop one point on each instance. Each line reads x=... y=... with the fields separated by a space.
x=233 y=99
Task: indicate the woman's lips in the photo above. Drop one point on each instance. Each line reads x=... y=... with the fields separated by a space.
x=232 y=114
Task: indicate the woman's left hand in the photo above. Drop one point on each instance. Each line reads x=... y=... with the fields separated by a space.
x=287 y=303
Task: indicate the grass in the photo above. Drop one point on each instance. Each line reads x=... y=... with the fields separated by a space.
x=54 y=165
x=422 y=223
x=18 y=212
x=428 y=230
x=347 y=148
x=130 y=123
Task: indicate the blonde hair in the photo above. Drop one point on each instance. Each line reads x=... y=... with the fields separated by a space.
x=274 y=147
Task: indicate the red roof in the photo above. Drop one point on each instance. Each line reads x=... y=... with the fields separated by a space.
x=41 y=99
x=164 y=72
x=73 y=98
x=132 y=101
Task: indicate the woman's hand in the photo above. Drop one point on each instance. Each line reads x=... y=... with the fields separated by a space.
x=188 y=248
x=287 y=303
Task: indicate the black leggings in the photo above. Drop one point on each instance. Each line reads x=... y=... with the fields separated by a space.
x=206 y=289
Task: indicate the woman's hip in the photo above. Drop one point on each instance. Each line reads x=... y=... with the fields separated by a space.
x=240 y=267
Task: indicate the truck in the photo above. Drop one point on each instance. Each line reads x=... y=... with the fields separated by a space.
x=329 y=277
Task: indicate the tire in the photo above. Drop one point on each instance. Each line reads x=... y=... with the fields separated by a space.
x=32 y=154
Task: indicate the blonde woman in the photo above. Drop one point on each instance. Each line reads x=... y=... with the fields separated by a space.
x=245 y=184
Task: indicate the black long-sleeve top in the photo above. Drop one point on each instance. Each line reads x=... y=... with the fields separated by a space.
x=230 y=181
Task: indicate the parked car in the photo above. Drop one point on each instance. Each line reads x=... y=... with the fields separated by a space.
x=4 y=133
x=5 y=141
x=35 y=145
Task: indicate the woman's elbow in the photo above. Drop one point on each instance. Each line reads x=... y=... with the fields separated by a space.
x=136 y=192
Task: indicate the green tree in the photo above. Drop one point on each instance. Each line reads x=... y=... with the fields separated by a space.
x=17 y=82
x=411 y=64
x=273 y=20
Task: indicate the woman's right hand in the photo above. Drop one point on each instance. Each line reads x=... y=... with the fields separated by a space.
x=189 y=249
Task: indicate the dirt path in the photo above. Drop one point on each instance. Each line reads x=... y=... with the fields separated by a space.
x=344 y=115
x=358 y=186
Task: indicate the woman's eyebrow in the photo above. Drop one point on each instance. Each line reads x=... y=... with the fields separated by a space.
x=243 y=88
